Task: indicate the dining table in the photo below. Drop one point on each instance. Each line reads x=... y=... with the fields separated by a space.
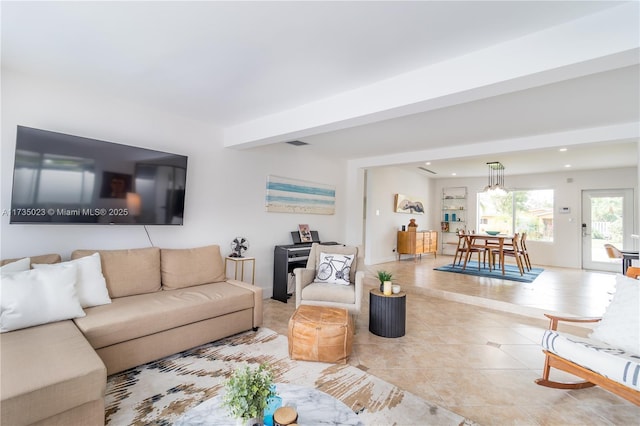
x=498 y=241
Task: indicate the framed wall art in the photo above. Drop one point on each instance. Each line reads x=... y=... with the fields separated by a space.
x=408 y=204
x=285 y=195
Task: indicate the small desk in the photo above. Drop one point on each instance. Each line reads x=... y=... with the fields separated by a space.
x=627 y=257
x=387 y=314
x=240 y=261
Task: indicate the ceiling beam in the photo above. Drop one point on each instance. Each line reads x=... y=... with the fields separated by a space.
x=596 y=43
x=614 y=133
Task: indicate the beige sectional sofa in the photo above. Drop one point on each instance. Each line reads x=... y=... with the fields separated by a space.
x=163 y=301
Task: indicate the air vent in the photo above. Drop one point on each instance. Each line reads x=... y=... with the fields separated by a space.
x=427 y=170
x=297 y=143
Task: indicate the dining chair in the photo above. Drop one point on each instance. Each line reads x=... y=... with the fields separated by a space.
x=524 y=251
x=613 y=252
x=493 y=243
x=509 y=250
x=633 y=272
x=472 y=247
x=461 y=249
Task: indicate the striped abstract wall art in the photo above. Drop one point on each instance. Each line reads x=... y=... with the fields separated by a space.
x=286 y=195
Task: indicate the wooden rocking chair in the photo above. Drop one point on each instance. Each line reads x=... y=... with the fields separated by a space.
x=591 y=377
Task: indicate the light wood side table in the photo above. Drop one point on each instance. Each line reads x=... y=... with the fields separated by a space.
x=240 y=262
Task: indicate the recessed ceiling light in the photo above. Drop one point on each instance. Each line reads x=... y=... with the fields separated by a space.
x=428 y=163
x=453 y=174
x=563 y=150
x=567 y=165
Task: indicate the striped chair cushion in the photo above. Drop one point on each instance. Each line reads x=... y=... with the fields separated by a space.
x=616 y=364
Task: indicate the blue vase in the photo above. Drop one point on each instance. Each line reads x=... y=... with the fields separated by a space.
x=273 y=404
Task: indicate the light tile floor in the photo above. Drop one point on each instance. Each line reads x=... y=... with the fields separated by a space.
x=472 y=344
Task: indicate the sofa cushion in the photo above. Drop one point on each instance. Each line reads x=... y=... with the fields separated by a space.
x=620 y=324
x=334 y=268
x=43 y=258
x=91 y=285
x=142 y=315
x=38 y=296
x=128 y=272
x=314 y=260
x=47 y=370
x=612 y=362
x=328 y=292
x=17 y=266
x=188 y=267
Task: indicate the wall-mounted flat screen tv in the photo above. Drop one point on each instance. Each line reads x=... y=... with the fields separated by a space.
x=65 y=179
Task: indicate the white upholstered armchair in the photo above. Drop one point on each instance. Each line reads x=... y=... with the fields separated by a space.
x=324 y=280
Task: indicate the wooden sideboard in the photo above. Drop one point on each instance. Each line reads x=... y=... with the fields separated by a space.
x=417 y=242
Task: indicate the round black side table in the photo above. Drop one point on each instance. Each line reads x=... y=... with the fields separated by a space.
x=387 y=314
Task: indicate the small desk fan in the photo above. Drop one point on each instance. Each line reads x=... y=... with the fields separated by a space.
x=239 y=245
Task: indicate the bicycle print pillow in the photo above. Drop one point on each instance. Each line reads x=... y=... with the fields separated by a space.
x=334 y=268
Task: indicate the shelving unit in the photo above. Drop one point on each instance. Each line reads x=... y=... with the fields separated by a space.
x=454 y=216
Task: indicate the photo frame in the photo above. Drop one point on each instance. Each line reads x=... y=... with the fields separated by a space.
x=407 y=204
x=305 y=233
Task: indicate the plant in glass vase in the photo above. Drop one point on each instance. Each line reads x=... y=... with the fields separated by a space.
x=384 y=276
x=247 y=393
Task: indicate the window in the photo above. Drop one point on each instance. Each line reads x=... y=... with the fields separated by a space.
x=517 y=211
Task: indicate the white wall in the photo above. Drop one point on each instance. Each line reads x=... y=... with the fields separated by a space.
x=225 y=188
x=382 y=222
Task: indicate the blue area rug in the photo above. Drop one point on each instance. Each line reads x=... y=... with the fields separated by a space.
x=511 y=272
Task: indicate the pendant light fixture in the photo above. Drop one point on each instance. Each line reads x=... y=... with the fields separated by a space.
x=496 y=178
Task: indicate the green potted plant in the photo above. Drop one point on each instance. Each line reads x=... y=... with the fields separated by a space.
x=384 y=276
x=247 y=392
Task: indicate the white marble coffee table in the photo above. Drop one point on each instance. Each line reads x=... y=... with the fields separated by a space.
x=314 y=407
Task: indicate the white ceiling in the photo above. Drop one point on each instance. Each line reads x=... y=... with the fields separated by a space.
x=229 y=63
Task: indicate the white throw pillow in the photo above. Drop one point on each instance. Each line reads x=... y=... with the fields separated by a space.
x=36 y=297
x=620 y=324
x=334 y=268
x=17 y=266
x=91 y=285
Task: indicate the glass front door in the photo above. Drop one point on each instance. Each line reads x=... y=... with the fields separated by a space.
x=607 y=218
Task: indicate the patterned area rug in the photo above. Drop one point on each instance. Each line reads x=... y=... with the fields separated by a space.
x=511 y=272
x=160 y=392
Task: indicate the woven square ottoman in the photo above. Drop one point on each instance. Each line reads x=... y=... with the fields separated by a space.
x=320 y=333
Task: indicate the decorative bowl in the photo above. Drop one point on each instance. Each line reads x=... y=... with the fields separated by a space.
x=395 y=289
x=492 y=232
